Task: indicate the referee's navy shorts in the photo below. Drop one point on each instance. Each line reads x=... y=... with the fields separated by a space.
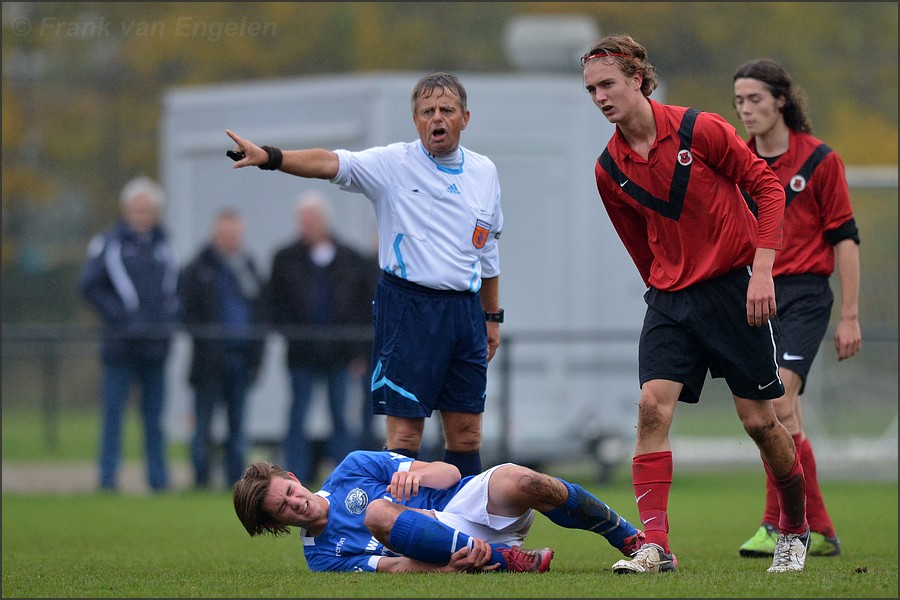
x=703 y=329
x=804 y=309
x=429 y=352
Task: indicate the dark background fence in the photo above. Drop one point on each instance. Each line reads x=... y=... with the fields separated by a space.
x=53 y=371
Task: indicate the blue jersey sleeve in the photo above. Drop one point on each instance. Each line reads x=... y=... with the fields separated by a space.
x=364 y=563
x=379 y=466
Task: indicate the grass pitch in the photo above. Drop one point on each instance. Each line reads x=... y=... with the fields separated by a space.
x=191 y=545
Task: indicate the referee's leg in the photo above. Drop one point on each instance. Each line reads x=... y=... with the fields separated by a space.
x=404 y=435
x=462 y=435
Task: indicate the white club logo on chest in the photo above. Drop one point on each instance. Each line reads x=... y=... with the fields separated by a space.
x=356 y=501
x=798 y=183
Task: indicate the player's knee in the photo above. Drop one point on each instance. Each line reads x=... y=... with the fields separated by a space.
x=529 y=485
x=758 y=427
x=380 y=517
x=785 y=414
x=653 y=413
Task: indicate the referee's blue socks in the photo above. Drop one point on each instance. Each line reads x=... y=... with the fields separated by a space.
x=418 y=536
x=583 y=510
x=468 y=463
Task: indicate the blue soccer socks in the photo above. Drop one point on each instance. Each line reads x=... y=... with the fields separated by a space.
x=419 y=536
x=583 y=510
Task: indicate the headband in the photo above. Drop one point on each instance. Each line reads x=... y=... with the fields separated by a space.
x=602 y=54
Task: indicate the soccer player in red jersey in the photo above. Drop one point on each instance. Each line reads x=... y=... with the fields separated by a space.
x=819 y=232
x=670 y=179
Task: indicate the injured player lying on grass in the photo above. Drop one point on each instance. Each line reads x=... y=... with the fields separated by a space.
x=386 y=512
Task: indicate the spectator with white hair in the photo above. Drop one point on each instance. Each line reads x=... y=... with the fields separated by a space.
x=318 y=283
x=130 y=279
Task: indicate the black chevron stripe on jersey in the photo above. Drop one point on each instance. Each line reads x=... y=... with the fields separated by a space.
x=806 y=171
x=677 y=190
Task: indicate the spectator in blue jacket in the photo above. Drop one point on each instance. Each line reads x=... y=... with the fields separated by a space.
x=130 y=279
x=224 y=311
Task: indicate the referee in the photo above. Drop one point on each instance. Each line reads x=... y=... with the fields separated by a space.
x=436 y=310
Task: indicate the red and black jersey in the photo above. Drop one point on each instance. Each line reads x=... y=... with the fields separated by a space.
x=680 y=212
x=817 y=211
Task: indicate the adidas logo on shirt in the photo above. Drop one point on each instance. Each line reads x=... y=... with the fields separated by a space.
x=452 y=189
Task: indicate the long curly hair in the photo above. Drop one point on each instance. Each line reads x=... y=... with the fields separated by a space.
x=780 y=85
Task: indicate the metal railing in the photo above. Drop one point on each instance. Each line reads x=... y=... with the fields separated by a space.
x=51 y=343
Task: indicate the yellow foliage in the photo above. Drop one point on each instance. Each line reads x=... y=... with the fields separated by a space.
x=861 y=137
x=104 y=67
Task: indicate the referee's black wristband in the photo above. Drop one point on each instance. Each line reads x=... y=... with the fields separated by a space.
x=276 y=156
x=494 y=317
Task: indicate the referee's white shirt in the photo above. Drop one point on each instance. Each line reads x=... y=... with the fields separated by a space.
x=427 y=214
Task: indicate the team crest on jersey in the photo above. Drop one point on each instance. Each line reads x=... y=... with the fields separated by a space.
x=685 y=157
x=356 y=501
x=798 y=183
x=480 y=235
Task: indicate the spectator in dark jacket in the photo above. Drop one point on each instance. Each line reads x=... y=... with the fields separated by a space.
x=224 y=311
x=320 y=296
x=130 y=278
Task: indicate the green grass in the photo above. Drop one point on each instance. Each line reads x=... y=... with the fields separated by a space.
x=190 y=544
x=25 y=430
x=827 y=415
x=75 y=436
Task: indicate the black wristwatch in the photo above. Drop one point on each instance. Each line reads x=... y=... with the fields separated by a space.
x=496 y=317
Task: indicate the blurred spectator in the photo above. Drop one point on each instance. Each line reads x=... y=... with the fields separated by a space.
x=130 y=278
x=317 y=283
x=223 y=309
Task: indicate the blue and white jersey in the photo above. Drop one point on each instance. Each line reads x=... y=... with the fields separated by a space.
x=346 y=544
x=438 y=226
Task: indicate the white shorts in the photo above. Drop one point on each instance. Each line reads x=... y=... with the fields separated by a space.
x=467 y=512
